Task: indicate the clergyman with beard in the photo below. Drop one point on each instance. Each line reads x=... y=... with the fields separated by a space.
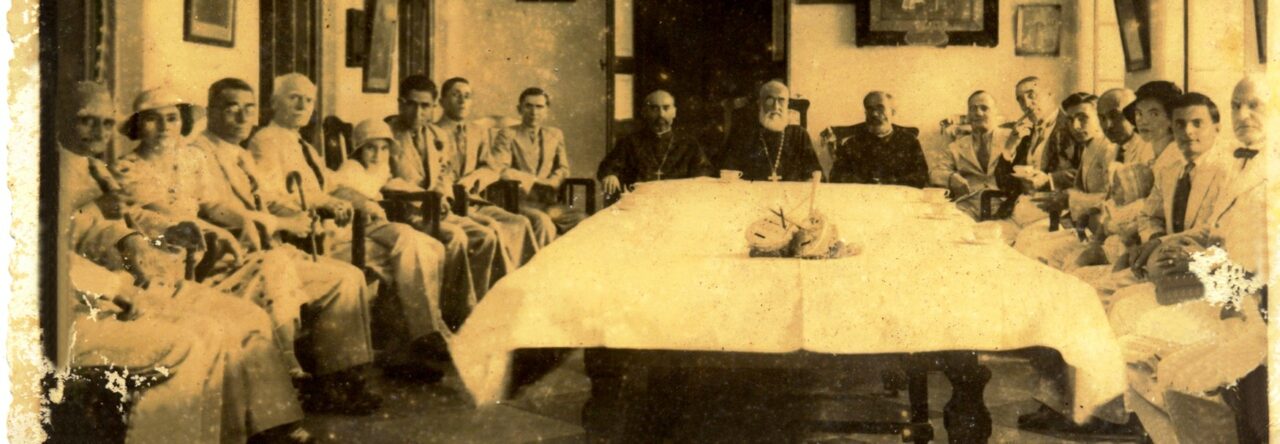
x=656 y=152
x=770 y=148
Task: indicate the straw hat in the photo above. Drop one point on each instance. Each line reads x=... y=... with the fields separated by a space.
x=158 y=98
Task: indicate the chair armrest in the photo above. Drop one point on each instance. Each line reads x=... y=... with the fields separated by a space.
x=461 y=200
x=985 y=200
x=429 y=201
x=567 y=192
x=506 y=194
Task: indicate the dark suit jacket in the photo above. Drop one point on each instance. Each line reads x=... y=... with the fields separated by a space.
x=744 y=152
x=896 y=160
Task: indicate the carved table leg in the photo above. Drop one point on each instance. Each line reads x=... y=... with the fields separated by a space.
x=966 y=416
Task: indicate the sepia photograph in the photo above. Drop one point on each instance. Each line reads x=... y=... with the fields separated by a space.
x=642 y=221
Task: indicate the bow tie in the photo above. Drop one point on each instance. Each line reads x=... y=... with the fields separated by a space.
x=1246 y=153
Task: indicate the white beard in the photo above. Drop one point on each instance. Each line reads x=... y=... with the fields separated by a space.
x=773 y=121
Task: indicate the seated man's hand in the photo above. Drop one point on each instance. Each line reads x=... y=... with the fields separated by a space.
x=146 y=263
x=611 y=184
x=1141 y=255
x=1173 y=256
x=340 y=210
x=257 y=229
x=226 y=243
x=446 y=206
x=470 y=182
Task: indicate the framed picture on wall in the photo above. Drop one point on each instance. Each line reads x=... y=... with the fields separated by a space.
x=210 y=22
x=1260 y=25
x=1038 y=30
x=927 y=22
x=382 y=41
x=1135 y=25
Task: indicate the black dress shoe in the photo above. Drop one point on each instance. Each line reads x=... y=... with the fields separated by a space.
x=341 y=394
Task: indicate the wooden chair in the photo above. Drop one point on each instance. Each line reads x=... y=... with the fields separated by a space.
x=506 y=193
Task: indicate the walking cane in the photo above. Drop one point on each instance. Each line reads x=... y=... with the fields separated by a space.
x=294 y=181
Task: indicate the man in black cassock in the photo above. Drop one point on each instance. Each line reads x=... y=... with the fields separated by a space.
x=770 y=149
x=880 y=152
x=656 y=152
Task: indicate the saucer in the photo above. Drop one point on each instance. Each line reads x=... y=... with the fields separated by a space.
x=932 y=216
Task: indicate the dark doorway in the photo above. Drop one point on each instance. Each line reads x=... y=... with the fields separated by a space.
x=705 y=52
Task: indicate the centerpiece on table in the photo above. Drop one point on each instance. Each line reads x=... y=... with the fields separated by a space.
x=813 y=237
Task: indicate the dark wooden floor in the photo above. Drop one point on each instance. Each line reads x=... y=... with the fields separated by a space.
x=549 y=410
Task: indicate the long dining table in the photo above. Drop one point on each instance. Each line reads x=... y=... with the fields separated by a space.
x=667 y=269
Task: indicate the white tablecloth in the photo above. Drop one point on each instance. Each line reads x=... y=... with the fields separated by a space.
x=667 y=268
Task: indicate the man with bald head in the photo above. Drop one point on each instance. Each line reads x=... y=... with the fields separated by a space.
x=968 y=165
x=656 y=152
x=409 y=261
x=1231 y=344
x=1115 y=126
x=770 y=148
x=879 y=151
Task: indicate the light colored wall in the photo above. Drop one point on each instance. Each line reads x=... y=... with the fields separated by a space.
x=930 y=83
x=503 y=47
x=1167 y=48
x=152 y=53
x=343 y=86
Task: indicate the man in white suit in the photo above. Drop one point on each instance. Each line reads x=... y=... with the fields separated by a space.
x=1184 y=192
x=967 y=167
x=473 y=171
x=534 y=155
x=1084 y=198
x=1203 y=347
x=336 y=295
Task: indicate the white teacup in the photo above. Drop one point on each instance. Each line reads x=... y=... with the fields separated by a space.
x=730 y=175
x=936 y=195
x=986 y=233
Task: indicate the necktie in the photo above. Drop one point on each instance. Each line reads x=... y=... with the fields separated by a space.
x=983 y=152
x=1180 y=195
x=311 y=161
x=460 y=140
x=1120 y=152
x=420 y=142
x=538 y=139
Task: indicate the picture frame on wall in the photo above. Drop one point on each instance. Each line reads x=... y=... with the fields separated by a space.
x=1135 y=35
x=1260 y=26
x=382 y=41
x=927 y=22
x=357 y=38
x=1039 y=30
x=211 y=22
